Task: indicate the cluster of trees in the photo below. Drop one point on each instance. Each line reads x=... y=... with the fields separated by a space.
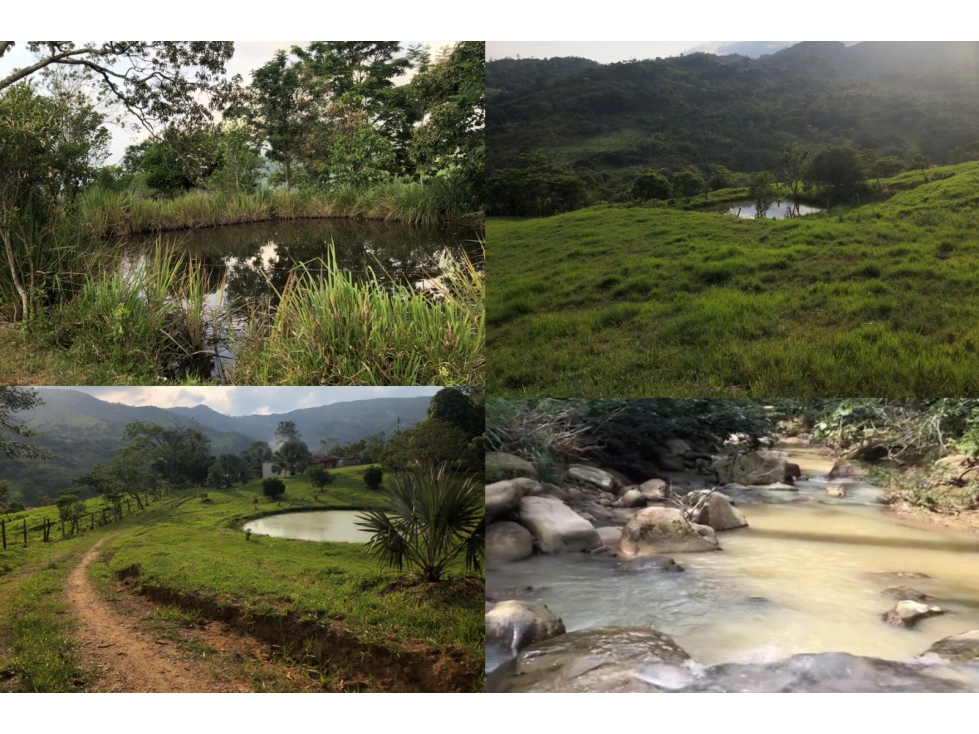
x=329 y=115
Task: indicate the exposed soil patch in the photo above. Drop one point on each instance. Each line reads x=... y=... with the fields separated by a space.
x=128 y=657
x=344 y=662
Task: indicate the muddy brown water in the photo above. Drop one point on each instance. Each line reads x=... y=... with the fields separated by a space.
x=335 y=526
x=807 y=576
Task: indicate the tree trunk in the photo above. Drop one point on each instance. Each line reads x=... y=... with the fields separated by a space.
x=8 y=246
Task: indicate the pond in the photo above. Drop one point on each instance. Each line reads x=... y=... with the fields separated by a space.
x=333 y=526
x=778 y=210
x=248 y=265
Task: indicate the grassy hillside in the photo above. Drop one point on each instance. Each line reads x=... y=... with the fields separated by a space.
x=328 y=607
x=876 y=300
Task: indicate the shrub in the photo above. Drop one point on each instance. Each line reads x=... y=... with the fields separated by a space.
x=373 y=476
x=273 y=487
x=319 y=477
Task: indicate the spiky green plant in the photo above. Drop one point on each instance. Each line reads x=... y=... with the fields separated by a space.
x=433 y=519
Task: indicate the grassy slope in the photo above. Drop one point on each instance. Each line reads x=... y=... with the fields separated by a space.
x=198 y=550
x=876 y=300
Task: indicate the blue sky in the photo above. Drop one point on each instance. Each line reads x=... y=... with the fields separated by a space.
x=247 y=400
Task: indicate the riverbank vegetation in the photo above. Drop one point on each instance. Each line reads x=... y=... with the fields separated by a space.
x=319 y=132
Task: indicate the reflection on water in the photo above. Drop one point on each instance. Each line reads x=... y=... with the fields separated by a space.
x=335 y=526
x=247 y=266
x=778 y=210
x=804 y=577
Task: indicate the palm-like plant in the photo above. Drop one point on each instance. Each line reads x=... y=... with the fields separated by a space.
x=433 y=518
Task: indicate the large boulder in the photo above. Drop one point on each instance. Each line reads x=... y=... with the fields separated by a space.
x=754 y=468
x=500 y=465
x=599 y=478
x=963 y=648
x=633 y=498
x=603 y=659
x=508 y=542
x=720 y=514
x=653 y=490
x=677 y=446
x=662 y=530
x=513 y=625
x=844 y=469
x=556 y=527
x=503 y=498
x=610 y=536
x=908 y=613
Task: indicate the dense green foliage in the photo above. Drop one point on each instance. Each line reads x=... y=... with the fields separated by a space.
x=603 y=125
x=373 y=476
x=878 y=299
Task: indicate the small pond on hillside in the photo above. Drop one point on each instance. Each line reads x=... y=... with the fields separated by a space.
x=334 y=526
x=248 y=265
x=778 y=210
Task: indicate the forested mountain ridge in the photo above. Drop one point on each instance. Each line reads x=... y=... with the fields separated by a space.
x=80 y=430
x=896 y=98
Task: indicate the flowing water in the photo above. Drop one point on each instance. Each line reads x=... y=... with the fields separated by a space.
x=806 y=576
x=334 y=526
x=778 y=210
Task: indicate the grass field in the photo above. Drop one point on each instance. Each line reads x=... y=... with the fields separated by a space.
x=327 y=605
x=876 y=300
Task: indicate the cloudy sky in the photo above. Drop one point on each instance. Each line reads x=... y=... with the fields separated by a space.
x=249 y=55
x=248 y=400
x=608 y=52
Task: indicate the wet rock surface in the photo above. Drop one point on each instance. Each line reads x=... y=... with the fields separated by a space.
x=960 y=648
x=556 y=527
x=508 y=542
x=663 y=530
x=908 y=613
x=513 y=625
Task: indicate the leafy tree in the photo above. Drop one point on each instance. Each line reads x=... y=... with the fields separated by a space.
x=293 y=456
x=273 y=487
x=761 y=189
x=257 y=453
x=451 y=139
x=127 y=468
x=537 y=188
x=280 y=105
x=838 y=170
x=648 y=186
x=319 y=477
x=793 y=162
x=887 y=166
x=452 y=405
x=181 y=158
x=687 y=184
x=15 y=400
x=180 y=453
x=156 y=81
x=432 y=519
x=920 y=162
x=105 y=483
x=4 y=492
x=239 y=160
x=287 y=430
x=228 y=469
x=719 y=177
x=70 y=510
x=373 y=476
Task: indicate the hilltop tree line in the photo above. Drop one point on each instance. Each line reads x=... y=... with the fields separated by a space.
x=567 y=133
x=327 y=116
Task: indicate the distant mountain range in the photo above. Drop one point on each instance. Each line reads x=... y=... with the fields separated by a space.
x=81 y=430
x=700 y=109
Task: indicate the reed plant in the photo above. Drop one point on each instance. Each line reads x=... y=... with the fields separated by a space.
x=333 y=329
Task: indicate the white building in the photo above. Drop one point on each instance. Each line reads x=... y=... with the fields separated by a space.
x=268 y=471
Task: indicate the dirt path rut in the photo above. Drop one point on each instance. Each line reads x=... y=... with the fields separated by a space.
x=129 y=658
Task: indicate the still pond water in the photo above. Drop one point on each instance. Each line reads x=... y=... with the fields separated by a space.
x=778 y=210
x=334 y=526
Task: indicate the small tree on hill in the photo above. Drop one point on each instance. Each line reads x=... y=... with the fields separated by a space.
x=319 y=477
x=273 y=487
x=650 y=186
x=761 y=189
x=373 y=475
x=920 y=163
x=687 y=184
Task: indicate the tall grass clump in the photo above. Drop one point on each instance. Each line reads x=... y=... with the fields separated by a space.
x=336 y=330
x=138 y=318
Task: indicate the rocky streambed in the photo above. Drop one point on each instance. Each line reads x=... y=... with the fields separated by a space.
x=790 y=577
